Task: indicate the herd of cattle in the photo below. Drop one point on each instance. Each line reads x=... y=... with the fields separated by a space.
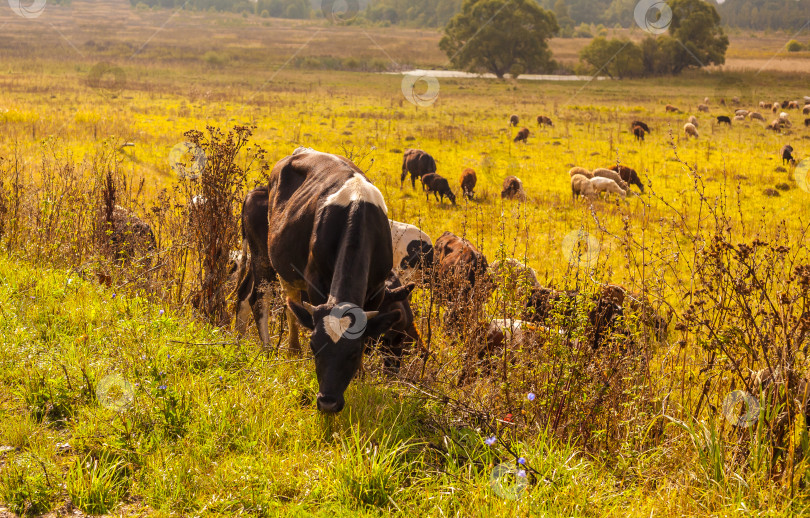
x=320 y=228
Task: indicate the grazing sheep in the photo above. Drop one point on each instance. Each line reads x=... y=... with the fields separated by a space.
x=723 y=119
x=807 y=122
x=602 y=184
x=468 y=181
x=690 y=130
x=764 y=105
x=775 y=125
x=806 y=110
x=642 y=124
x=756 y=116
x=638 y=132
x=628 y=175
x=439 y=186
x=513 y=189
x=669 y=108
x=793 y=105
x=703 y=108
x=544 y=121
x=511 y=273
x=522 y=135
x=784 y=116
x=787 y=155
x=807 y=99
x=785 y=104
x=581 y=186
x=775 y=107
x=514 y=120
x=735 y=100
x=739 y=117
x=580 y=170
x=744 y=113
x=693 y=121
x=610 y=174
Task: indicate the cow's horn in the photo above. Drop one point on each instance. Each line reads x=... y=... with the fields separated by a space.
x=309 y=307
x=371 y=314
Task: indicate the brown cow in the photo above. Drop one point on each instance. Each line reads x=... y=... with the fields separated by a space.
x=461 y=273
x=638 y=131
x=542 y=120
x=514 y=120
x=522 y=135
x=418 y=163
x=439 y=186
x=468 y=181
x=628 y=174
x=670 y=108
x=513 y=189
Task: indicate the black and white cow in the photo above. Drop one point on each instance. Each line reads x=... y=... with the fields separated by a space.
x=412 y=247
x=329 y=241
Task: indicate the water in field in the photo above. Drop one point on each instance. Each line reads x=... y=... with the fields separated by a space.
x=525 y=77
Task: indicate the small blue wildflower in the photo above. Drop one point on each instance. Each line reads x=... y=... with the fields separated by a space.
x=168 y=356
x=162 y=387
x=160 y=313
x=161 y=374
x=491 y=440
x=113 y=295
x=220 y=378
x=521 y=473
x=531 y=396
x=521 y=461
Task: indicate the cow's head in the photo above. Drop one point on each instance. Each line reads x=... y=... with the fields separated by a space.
x=337 y=342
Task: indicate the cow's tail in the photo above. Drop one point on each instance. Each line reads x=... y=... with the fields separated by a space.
x=243 y=261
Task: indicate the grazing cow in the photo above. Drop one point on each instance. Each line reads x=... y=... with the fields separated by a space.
x=669 y=108
x=693 y=121
x=628 y=175
x=703 y=108
x=723 y=119
x=468 y=181
x=439 y=186
x=329 y=242
x=787 y=154
x=638 y=131
x=542 y=120
x=513 y=189
x=462 y=270
x=793 y=105
x=130 y=236
x=806 y=110
x=642 y=124
x=522 y=135
x=514 y=120
x=417 y=163
x=412 y=248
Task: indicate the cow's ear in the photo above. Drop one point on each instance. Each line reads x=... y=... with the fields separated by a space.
x=381 y=323
x=301 y=313
x=399 y=294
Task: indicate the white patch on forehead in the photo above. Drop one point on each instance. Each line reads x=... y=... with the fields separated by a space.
x=357 y=189
x=336 y=327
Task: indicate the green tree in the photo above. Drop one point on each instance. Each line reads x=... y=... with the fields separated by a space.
x=700 y=41
x=616 y=58
x=500 y=36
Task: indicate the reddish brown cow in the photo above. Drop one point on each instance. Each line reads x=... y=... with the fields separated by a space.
x=628 y=174
x=542 y=120
x=461 y=269
x=638 y=131
x=522 y=135
x=439 y=186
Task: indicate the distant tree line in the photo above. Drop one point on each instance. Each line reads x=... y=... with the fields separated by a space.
x=753 y=14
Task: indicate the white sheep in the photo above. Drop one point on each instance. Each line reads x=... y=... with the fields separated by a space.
x=613 y=175
x=690 y=130
x=581 y=186
x=703 y=108
x=601 y=184
x=784 y=116
x=744 y=113
x=580 y=170
x=756 y=116
x=693 y=121
x=739 y=117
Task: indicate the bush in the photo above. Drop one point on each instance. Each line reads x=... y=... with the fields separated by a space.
x=794 y=46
